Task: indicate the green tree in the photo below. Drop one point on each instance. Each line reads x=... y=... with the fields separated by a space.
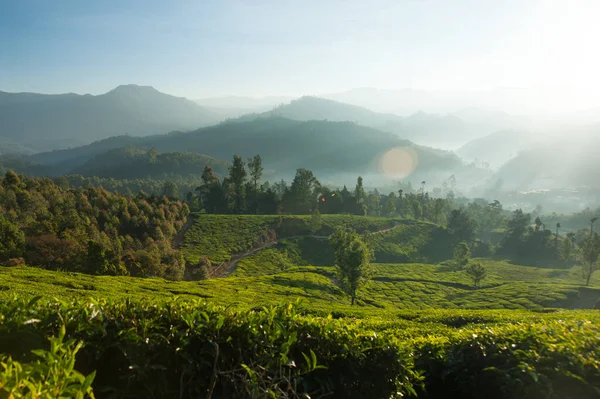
x=302 y=195
x=359 y=192
x=12 y=239
x=11 y=179
x=170 y=190
x=566 y=251
x=516 y=226
x=389 y=206
x=256 y=171
x=462 y=255
x=237 y=190
x=462 y=226
x=316 y=221
x=477 y=272
x=590 y=251
x=352 y=257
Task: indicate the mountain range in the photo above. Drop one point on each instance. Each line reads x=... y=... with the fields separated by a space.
x=440 y=131
x=40 y=122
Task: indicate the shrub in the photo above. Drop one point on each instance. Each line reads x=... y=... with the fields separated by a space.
x=14 y=262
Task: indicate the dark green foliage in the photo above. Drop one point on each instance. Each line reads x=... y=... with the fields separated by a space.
x=235 y=185
x=461 y=226
x=89 y=230
x=12 y=239
x=137 y=163
x=130 y=187
x=302 y=196
x=526 y=244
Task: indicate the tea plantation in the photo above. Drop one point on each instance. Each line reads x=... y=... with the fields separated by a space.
x=277 y=326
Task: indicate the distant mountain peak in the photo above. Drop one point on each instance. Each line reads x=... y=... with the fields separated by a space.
x=132 y=89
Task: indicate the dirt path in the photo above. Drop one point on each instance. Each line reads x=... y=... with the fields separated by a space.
x=232 y=264
x=179 y=236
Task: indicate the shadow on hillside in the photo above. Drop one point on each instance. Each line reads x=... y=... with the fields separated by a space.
x=414 y=280
x=306 y=285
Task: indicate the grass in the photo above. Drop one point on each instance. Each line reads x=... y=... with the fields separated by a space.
x=393 y=287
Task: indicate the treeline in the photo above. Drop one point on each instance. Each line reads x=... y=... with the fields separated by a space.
x=88 y=230
x=134 y=163
x=240 y=192
x=178 y=187
x=541 y=245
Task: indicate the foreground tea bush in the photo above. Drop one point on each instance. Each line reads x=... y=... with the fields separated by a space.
x=192 y=349
x=141 y=349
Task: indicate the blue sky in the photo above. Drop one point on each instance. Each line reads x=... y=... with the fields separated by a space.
x=208 y=48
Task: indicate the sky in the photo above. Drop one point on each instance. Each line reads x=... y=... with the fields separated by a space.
x=210 y=48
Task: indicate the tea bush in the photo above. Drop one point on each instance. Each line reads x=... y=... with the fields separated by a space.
x=175 y=348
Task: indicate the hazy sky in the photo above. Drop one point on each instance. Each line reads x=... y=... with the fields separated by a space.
x=207 y=48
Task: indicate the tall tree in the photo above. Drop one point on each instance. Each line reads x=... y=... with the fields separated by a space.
x=302 y=196
x=566 y=252
x=256 y=171
x=389 y=206
x=462 y=226
x=211 y=192
x=237 y=190
x=591 y=252
x=462 y=255
x=516 y=227
x=12 y=239
x=352 y=257
x=360 y=194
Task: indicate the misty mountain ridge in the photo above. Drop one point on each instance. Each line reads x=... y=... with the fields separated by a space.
x=439 y=131
x=327 y=148
x=497 y=148
x=128 y=109
x=567 y=161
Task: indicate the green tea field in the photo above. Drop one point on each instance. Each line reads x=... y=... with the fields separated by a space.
x=276 y=324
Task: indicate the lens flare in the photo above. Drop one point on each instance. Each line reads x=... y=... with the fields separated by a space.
x=399 y=162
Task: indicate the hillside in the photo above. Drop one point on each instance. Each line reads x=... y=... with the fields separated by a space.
x=569 y=161
x=135 y=163
x=45 y=122
x=329 y=149
x=496 y=148
x=440 y=131
x=280 y=320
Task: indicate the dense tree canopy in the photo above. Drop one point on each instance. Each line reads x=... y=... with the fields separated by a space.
x=89 y=229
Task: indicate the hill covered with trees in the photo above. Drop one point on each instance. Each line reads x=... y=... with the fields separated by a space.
x=135 y=163
x=334 y=150
x=88 y=230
